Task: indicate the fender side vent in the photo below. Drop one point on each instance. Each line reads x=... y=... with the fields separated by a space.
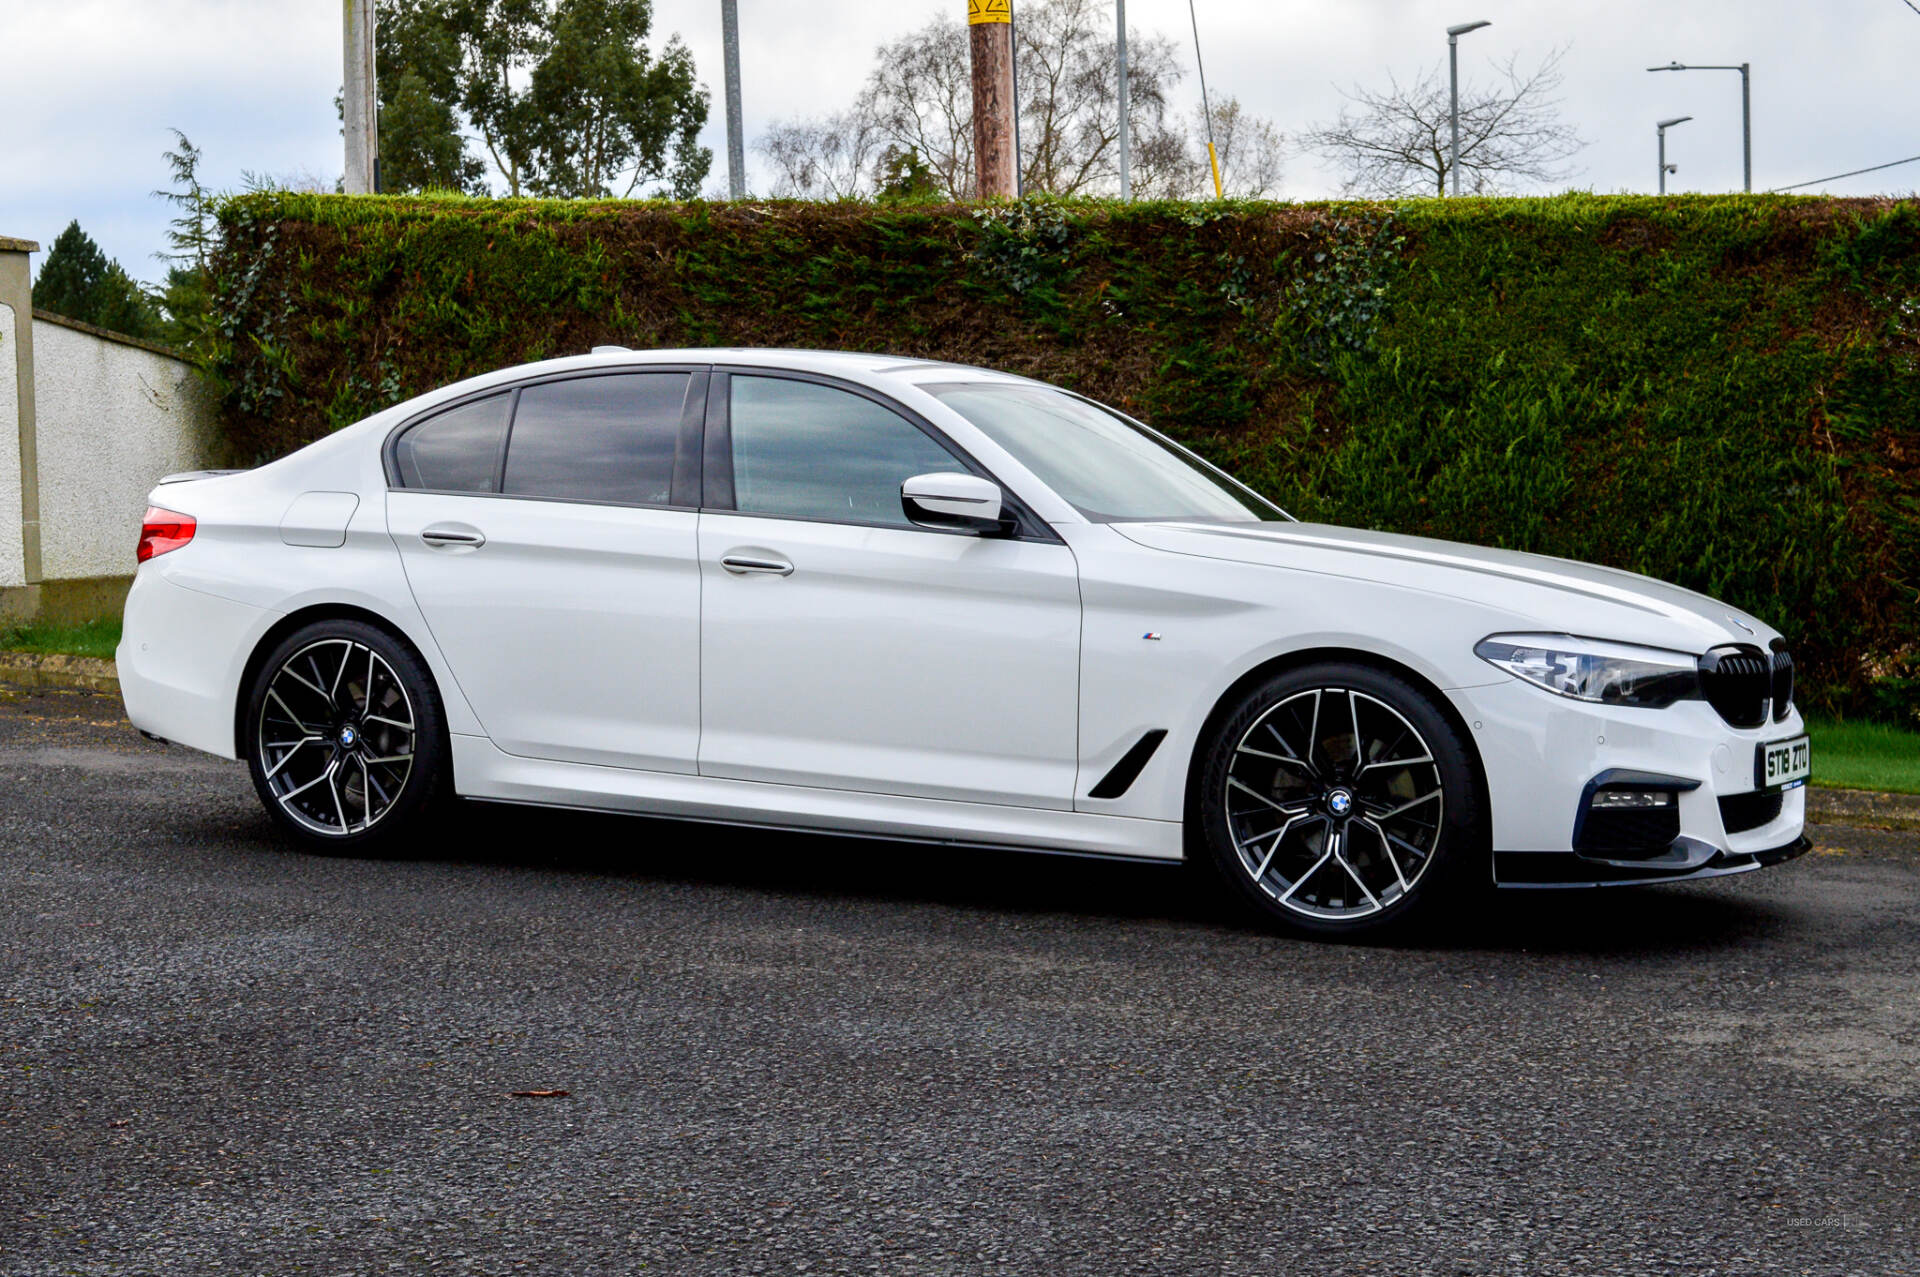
x=1128 y=769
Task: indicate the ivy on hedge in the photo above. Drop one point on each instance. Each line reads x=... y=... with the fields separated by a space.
x=1723 y=392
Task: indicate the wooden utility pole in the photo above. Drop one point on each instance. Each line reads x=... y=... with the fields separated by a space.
x=990 y=25
x=359 y=101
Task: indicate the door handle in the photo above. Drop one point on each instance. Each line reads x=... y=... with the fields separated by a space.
x=745 y=564
x=442 y=535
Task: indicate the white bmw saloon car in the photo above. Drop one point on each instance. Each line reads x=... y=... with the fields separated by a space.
x=929 y=602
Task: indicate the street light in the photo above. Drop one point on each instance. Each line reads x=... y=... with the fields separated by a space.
x=1126 y=156
x=1666 y=168
x=1746 y=107
x=1453 y=62
x=736 y=142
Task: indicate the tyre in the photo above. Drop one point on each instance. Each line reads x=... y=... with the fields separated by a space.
x=345 y=739
x=1337 y=800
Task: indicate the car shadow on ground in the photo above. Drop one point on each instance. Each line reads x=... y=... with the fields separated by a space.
x=1648 y=921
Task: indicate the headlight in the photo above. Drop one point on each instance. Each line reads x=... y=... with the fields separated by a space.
x=1594 y=670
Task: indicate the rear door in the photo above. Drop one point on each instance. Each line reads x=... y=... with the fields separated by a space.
x=550 y=537
x=843 y=647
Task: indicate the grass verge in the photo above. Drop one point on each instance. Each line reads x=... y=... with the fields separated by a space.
x=1853 y=755
x=88 y=638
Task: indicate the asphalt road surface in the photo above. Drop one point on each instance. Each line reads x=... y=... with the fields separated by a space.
x=796 y=1055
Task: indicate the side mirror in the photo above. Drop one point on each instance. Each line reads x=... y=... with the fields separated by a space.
x=954 y=502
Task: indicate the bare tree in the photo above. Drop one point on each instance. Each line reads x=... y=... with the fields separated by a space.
x=1250 y=148
x=825 y=159
x=919 y=99
x=1399 y=140
x=1069 y=100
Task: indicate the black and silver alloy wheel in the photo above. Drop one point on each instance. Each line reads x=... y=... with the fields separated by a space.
x=335 y=737
x=1335 y=803
x=1335 y=796
x=344 y=734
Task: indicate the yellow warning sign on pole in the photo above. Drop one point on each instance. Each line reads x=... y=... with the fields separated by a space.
x=979 y=11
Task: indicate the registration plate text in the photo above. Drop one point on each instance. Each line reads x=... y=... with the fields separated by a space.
x=1783 y=764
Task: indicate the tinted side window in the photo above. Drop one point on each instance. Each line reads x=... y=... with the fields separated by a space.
x=598 y=438
x=456 y=451
x=816 y=452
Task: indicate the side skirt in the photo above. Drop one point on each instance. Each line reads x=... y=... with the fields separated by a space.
x=482 y=771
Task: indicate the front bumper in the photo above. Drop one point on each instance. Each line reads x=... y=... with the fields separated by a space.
x=1542 y=753
x=1569 y=869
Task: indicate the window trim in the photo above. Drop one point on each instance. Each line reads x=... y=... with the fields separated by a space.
x=684 y=483
x=719 y=496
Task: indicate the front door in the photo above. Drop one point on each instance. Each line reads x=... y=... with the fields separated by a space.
x=542 y=538
x=841 y=646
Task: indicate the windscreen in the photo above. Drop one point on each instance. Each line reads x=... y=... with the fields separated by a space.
x=1108 y=468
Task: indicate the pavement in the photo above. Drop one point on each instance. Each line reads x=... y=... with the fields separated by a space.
x=804 y=1055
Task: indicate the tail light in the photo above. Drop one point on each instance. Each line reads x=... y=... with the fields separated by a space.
x=163 y=530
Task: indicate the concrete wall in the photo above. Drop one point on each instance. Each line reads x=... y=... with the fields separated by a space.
x=13 y=568
x=88 y=421
x=113 y=418
x=19 y=515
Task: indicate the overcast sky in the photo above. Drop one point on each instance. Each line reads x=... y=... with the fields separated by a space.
x=89 y=88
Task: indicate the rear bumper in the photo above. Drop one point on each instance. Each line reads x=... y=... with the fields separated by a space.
x=1551 y=869
x=181 y=655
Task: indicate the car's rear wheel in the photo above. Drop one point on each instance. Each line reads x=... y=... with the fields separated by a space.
x=344 y=737
x=1337 y=799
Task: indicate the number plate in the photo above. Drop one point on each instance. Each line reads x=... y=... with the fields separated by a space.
x=1783 y=764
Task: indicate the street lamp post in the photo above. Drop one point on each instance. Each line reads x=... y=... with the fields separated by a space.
x=1746 y=108
x=1013 y=78
x=1665 y=168
x=736 y=143
x=1453 y=67
x=1126 y=158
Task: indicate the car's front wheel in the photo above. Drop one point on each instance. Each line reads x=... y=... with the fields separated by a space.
x=344 y=737
x=1337 y=799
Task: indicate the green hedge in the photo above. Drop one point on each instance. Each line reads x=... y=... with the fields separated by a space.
x=1717 y=391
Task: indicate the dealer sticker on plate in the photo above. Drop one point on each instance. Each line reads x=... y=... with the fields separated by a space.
x=1783 y=764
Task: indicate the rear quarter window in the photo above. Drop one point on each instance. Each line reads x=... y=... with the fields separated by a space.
x=457 y=450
